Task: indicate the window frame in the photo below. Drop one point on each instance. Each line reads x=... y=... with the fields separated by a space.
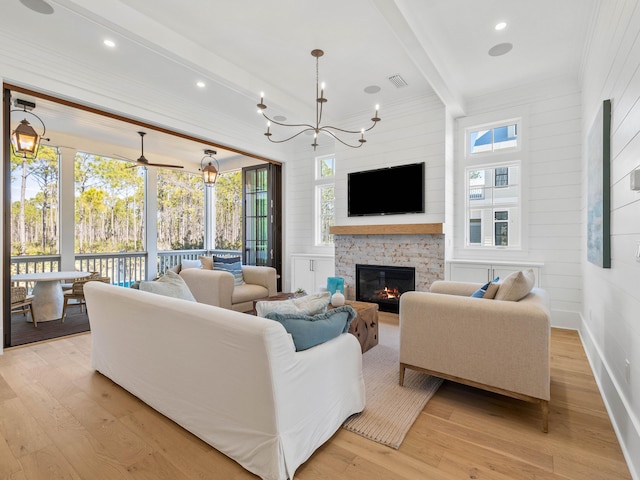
x=493 y=207
x=517 y=121
x=492 y=159
x=321 y=182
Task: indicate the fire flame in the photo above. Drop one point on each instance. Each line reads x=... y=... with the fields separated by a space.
x=388 y=293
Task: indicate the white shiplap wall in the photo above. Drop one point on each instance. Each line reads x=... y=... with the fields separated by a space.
x=611 y=328
x=551 y=113
x=408 y=133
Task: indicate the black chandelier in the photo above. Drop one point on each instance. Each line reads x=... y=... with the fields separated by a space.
x=317 y=128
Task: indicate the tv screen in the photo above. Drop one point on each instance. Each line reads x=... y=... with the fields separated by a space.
x=386 y=191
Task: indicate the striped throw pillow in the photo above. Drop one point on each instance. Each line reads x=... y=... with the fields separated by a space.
x=232 y=265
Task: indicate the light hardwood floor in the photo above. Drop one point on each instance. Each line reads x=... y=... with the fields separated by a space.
x=59 y=419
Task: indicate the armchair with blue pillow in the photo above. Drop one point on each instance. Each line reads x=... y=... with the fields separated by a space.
x=225 y=282
x=498 y=342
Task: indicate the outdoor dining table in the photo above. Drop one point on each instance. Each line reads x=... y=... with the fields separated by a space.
x=48 y=297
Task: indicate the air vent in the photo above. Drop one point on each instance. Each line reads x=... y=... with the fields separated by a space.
x=398 y=81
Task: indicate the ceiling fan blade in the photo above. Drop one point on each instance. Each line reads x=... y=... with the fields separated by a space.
x=165 y=165
x=142 y=161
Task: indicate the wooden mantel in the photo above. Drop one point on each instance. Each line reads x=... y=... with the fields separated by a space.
x=392 y=229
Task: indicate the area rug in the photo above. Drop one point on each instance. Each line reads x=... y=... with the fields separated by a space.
x=390 y=409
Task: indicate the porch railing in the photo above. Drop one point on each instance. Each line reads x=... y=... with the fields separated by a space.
x=123 y=268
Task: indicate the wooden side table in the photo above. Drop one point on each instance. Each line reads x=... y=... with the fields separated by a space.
x=365 y=326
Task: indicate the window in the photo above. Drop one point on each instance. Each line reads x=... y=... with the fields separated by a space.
x=492 y=184
x=501 y=228
x=492 y=139
x=501 y=177
x=325 y=198
x=493 y=205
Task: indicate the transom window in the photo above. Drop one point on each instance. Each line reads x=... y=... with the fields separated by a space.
x=493 y=138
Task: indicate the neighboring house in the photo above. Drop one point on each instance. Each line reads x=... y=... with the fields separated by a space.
x=557 y=115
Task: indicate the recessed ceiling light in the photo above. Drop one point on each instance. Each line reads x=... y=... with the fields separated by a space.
x=109 y=43
x=500 y=49
x=201 y=84
x=280 y=118
x=501 y=26
x=372 y=89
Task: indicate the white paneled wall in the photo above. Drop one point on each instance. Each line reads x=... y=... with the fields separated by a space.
x=551 y=166
x=410 y=133
x=611 y=330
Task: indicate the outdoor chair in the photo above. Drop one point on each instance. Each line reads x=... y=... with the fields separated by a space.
x=76 y=292
x=92 y=276
x=21 y=302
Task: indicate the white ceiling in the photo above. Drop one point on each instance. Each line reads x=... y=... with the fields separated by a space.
x=242 y=47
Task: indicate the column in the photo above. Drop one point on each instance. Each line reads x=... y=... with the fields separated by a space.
x=67 y=208
x=151 y=222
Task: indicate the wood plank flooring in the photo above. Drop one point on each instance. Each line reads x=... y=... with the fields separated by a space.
x=60 y=419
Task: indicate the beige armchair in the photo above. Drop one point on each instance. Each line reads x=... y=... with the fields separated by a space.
x=216 y=287
x=500 y=346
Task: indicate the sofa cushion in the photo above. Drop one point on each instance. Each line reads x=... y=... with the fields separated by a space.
x=248 y=292
x=170 y=285
x=516 y=286
x=207 y=262
x=311 y=330
x=307 y=305
x=232 y=265
x=186 y=263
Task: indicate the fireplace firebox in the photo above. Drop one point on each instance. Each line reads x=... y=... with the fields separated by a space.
x=383 y=285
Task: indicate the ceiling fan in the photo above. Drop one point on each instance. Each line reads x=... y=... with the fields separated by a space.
x=142 y=160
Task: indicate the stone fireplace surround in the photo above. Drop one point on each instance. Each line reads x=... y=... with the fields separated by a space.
x=395 y=245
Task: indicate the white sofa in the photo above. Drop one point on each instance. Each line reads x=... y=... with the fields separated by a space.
x=233 y=379
x=216 y=287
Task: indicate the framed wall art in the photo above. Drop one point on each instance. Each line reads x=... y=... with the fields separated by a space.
x=599 y=188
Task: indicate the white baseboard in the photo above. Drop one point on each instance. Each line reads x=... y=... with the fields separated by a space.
x=626 y=426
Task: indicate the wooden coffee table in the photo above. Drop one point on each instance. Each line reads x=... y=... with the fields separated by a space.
x=364 y=327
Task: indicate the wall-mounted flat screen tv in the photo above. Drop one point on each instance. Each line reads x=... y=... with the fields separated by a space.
x=386 y=191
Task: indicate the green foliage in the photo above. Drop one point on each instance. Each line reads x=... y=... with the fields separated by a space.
x=180 y=210
x=35 y=224
x=109 y=206
x=228 y=192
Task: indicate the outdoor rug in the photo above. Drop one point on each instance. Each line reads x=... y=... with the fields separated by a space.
x=390 y=409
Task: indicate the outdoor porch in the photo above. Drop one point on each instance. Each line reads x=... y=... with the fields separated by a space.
x=122 y=268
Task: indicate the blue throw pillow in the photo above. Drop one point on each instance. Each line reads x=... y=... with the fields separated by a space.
x=482 y=291
x=308 y=331
x=232 y=265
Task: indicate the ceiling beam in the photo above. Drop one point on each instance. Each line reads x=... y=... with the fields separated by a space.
x=418 y=46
